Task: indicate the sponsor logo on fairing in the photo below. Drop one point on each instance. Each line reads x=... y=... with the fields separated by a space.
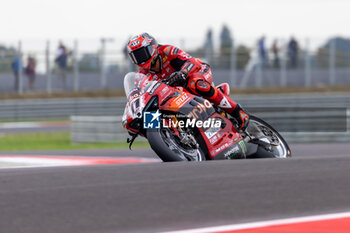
x=181 y=99
x=215 y=138
x=134 y=97
x=231 y=153
x=222 y=147
x=154 y=88
x=199 y=109
x=211 y=132
x=243 y=147
x=164 y=91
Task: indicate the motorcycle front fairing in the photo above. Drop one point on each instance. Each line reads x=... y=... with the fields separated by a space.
x=143 y=94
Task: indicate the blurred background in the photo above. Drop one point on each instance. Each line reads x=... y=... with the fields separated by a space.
x=63 y=61
x=63 y=46
x=101 y=63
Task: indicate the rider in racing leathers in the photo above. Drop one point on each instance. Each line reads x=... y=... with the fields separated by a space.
x=180 y=69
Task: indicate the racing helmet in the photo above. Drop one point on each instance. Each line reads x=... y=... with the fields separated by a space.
x=142 y=49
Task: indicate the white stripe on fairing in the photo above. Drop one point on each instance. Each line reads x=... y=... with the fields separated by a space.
x=266 y=223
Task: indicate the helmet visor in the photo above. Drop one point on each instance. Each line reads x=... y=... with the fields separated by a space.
x=142 y=55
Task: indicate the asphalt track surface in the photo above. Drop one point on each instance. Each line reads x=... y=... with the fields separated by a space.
x=158 y=197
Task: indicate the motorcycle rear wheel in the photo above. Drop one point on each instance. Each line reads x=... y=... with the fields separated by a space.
x=262 y=130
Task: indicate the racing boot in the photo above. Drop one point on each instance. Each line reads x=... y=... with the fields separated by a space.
x=231 y=107
x=241 y=116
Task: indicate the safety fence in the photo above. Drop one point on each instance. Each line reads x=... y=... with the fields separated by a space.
x=97 y=64
x=97 y=129
x=300 y=119
x=294 y=129
x=45 y=109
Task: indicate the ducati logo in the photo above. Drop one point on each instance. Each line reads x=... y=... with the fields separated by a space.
x=224 y=103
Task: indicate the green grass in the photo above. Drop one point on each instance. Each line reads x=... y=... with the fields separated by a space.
x=54 y=141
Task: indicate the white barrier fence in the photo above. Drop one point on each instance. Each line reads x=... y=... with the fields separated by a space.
x=110 y=129
x=97 y=129
x=44 y=109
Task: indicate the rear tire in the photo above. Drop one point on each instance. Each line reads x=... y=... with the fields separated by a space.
x=261 y=153
x=280 y=149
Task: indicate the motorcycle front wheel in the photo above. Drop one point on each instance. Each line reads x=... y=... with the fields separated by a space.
x=169 y=148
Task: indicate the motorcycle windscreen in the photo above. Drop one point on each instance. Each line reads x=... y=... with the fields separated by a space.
x=132 y=82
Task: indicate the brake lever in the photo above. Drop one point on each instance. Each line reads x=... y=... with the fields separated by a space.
x=131 y=141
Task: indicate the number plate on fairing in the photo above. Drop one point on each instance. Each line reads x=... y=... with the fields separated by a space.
x=210 y=132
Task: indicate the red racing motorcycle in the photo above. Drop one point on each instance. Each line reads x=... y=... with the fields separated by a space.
x=180 y=126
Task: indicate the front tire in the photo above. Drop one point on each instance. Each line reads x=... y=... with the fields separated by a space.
x=165 y=145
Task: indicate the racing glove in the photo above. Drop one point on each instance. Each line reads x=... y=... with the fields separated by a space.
x=177 y=78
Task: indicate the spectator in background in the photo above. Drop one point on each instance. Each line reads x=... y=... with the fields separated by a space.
x=30 y=71
x=293 y=48
x=61 y=61
x=275 y=50
x=262 y=51
x=16 y=68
